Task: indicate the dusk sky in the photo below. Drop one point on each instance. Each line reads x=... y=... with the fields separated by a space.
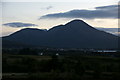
x=45 y=15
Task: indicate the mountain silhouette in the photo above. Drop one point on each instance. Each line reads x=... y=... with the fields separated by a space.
x=74 y=34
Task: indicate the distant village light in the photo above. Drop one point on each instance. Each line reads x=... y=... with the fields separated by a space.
x=106 y=51
x=57 y=54
x=40 y=54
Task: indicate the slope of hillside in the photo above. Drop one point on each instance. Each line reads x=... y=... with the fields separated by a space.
x=75 y=34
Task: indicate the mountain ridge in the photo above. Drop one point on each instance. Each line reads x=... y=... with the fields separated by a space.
x=74 y=34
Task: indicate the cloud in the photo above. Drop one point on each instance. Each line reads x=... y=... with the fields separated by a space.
x=19 y=24
x=47 y=8
x=110 y=11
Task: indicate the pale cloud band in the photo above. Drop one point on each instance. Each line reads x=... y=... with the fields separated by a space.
x=110 y=11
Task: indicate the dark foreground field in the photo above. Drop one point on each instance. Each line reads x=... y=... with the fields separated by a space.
x=68 y=66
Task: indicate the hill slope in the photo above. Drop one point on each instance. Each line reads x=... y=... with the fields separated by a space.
x=75 y=34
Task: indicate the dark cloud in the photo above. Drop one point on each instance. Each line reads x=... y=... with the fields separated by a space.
x=99 y=12
x=19 y=24
x=49 y=7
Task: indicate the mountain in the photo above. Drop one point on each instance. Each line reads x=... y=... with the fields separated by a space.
x=114 y=31
x=11 y=44
x=74 y=34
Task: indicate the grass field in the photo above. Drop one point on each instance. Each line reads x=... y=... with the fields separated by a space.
x=61 y=67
